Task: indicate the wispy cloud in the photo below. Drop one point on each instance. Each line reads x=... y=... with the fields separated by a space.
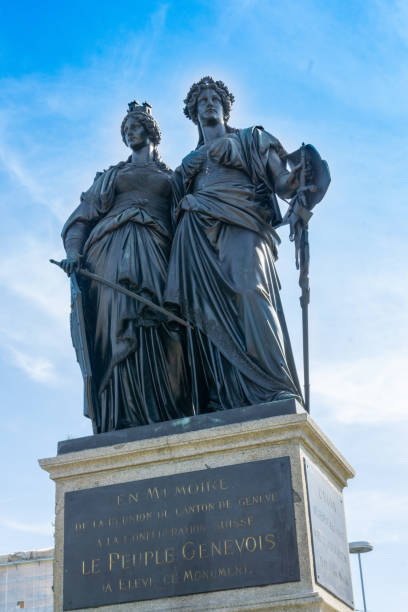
x=158 y=22
x=34 y=329
x=34 y=528
x=50 y=150
x=38 y=368
x=326 y=51
x=371 y=512
x=370 y=390
x=14 y=166
x=27 y=273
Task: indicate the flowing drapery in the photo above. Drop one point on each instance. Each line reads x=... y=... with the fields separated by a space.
x=222 y=275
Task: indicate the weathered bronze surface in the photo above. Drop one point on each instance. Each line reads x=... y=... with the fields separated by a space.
x=209 y=530
x=121 y=231
x=222 y=273
x=201 y=244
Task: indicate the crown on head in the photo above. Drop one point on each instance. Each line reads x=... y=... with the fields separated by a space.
x=143 y=108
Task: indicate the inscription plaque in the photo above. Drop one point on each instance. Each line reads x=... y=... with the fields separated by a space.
x=329 y=537
x=208 y=530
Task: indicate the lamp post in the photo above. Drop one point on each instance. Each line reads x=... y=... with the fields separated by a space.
x=358 y=548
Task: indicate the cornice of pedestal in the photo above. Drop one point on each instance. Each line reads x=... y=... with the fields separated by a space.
x=223 y=440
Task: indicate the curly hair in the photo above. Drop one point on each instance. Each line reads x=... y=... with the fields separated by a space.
x=149 y=123
x=227 y=99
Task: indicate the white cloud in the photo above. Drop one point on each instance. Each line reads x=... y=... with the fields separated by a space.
x=34 y=312
x=50 y=151
x=27 y=273
x=35 y=528
x=349 y=60
x=370 y=513
x=37 y=368
x=370 y=390
x=14 y=166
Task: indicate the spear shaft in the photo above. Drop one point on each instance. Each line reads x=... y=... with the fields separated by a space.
x=304 y=303
x=298 y=216
x=304 y=257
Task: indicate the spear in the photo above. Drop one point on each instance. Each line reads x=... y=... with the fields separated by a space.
x=306 y=197
x=303 y=266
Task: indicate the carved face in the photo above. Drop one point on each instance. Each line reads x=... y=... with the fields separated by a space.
x=209 y=107
x=135 y=134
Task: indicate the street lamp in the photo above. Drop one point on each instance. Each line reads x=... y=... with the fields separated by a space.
x=358 y=548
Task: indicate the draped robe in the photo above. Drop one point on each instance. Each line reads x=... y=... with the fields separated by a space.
x=222 y=274
x=123 y=229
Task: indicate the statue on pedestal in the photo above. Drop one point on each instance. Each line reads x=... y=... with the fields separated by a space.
x=197 y=246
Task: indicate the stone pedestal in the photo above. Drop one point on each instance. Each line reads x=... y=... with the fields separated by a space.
x=317 y=475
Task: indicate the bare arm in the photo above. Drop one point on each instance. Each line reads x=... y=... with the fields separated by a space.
x=286 y=182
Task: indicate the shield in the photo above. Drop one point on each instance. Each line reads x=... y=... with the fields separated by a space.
x=321 y=173
x=80 y=343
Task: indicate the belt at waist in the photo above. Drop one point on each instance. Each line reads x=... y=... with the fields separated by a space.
x=126 y=199
x=156 y=207
x=236 y=180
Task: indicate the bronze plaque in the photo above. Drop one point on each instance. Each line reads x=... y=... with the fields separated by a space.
x=329 y=537
x=209 y=530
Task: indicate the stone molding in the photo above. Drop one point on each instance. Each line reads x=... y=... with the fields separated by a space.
x=296 y=436
x=223 y=439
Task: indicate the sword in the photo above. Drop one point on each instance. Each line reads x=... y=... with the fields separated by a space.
x=132 y=294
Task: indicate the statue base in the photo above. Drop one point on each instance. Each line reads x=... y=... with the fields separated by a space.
x=237 y=510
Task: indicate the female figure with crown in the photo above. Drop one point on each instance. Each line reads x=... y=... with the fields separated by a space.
x=121 y=230
x=222 y=273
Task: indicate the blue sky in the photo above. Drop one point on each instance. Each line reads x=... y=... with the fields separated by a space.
x=330 y=73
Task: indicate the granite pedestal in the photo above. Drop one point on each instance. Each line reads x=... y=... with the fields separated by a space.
x=238 y=510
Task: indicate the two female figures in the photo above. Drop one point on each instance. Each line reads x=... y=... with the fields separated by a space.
x=219 y=274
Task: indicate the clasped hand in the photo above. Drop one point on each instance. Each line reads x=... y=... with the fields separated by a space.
x=71 y=263
x=294 y=175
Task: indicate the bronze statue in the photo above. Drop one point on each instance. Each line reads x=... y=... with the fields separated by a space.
x=222 y=274
x=121 y=233
x=134 y=292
